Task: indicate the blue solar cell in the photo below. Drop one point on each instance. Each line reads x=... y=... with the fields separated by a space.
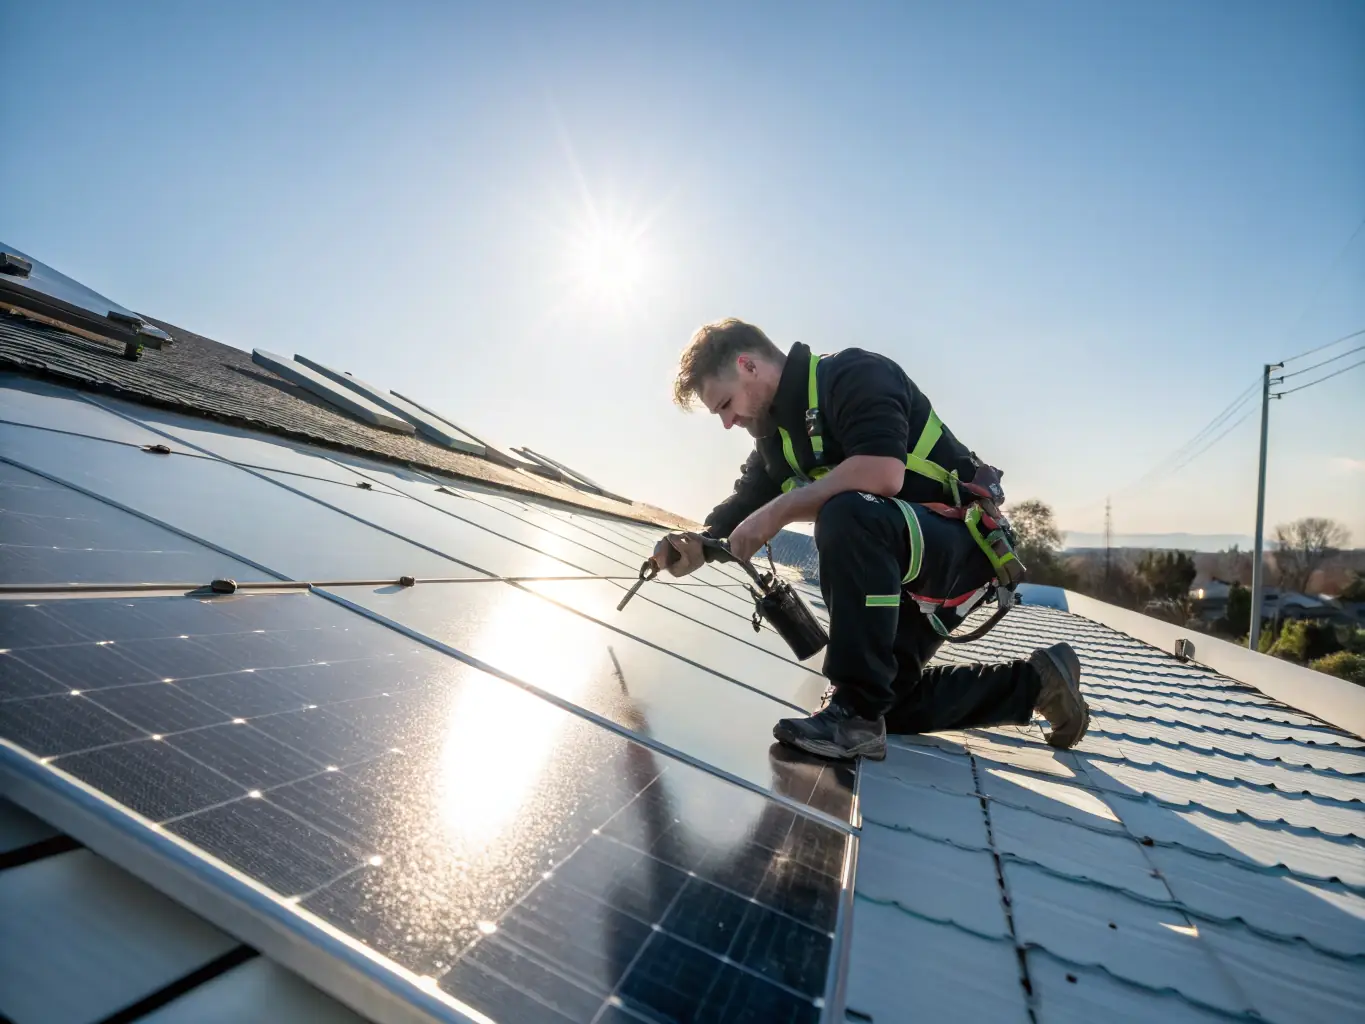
x=528 y=860
x=52 y=534
x=227 y=506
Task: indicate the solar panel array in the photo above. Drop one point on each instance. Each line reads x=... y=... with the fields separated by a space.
x=532 y=807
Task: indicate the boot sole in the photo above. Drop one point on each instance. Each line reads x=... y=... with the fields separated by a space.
x=1067 y=665
x=873 y=751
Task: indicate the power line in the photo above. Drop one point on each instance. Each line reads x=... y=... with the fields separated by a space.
x=1342 y=355
x=1327 y=276
x=1235 y=424
x=1338 y=373
x=1309 y=352
x=1211 y=426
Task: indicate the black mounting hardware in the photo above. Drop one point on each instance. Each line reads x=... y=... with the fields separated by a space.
x=156 y=449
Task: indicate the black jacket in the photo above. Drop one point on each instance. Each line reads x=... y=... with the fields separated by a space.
x=868 y=406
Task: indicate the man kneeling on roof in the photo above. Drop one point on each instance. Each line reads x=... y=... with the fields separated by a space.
x=909 y=531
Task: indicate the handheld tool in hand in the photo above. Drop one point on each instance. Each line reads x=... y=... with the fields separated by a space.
x=775 y=600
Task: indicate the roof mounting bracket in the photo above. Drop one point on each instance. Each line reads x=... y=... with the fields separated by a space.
x=15 y=266
x=156 y=449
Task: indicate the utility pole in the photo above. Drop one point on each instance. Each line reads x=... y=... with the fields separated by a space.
x=1108 y=551
x=1257 y=567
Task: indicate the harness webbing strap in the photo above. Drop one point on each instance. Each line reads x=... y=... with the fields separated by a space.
x=883 y=600
x=916 y=539
x=933 y=430
x=789 y=453
x=817 y=443
x=916 y=461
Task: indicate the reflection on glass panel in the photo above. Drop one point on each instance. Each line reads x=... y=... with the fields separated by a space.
x=40 y=404
x=647 y=690
x=236 y=445
x=450 y=535
x=52 y=534
x=530 y=864
x=227 y=506
x=722 y=652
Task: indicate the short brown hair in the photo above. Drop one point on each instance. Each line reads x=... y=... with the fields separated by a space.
x=714 y=348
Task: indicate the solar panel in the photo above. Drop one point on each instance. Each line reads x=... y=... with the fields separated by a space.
x=500 y=853
x=52 y=534
x=670 y=697
x=427 y=425
x=31 y=286
x=343 y=398
x=491 y=451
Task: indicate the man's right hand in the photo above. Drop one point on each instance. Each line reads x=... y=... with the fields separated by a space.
x=679 y=554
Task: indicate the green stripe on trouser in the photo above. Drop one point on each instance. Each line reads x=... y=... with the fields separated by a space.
x=916 y=541
x=883 y=600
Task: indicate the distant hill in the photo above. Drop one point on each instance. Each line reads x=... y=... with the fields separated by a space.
x=1077 y=541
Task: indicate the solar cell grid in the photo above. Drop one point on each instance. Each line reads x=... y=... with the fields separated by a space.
x=531 y=863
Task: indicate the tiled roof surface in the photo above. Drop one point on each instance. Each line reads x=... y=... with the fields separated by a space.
x=206 y=378
x=72 y=915
x=1198 y=856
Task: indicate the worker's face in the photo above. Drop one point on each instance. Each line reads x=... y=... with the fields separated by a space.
x=741 y=395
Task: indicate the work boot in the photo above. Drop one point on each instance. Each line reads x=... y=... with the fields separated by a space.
x=1059 y=697
x=835 y=732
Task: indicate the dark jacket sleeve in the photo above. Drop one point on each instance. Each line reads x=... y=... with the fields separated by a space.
x=754 y=489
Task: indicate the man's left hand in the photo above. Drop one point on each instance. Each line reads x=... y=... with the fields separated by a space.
x=756 y=530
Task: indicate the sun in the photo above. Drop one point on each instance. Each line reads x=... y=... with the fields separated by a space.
x=608 y=262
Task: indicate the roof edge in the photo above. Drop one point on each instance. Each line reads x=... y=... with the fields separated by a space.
x=1335 y=701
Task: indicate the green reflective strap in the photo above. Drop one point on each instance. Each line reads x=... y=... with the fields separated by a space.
x=883 y=600
x=952 y=486
x=817 y=443
x=818 y=472
x=939 y=628
x=928 y=437
x=924 y=467
x=790 y=484
x=916 y=540
x=973 y=521
x=790 y=453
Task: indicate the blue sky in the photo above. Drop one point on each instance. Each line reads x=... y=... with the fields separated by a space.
x=1080 y=227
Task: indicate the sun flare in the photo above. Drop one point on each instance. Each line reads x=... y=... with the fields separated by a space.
x=608 y=261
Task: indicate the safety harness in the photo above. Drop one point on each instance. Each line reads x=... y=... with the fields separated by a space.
x=976 y=503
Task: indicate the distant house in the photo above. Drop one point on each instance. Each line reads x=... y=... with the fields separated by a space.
x=1210 y=602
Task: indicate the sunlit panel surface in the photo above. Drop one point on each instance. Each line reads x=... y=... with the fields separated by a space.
x=52 y=534
x=525 y=861
x=226 y=506
x=657 y=693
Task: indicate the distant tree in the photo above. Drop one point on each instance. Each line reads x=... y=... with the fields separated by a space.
x=1354 y=589
x=1038 y=543
x=1303 y=546
x=1233 y=565
x=1236 y=621
x=1168 y=574
x=1035 y=527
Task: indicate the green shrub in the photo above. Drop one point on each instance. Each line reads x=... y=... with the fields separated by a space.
x=1304 y=640
x=1343 y=664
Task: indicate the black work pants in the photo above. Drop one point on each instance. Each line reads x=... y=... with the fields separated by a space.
x=879 y=641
